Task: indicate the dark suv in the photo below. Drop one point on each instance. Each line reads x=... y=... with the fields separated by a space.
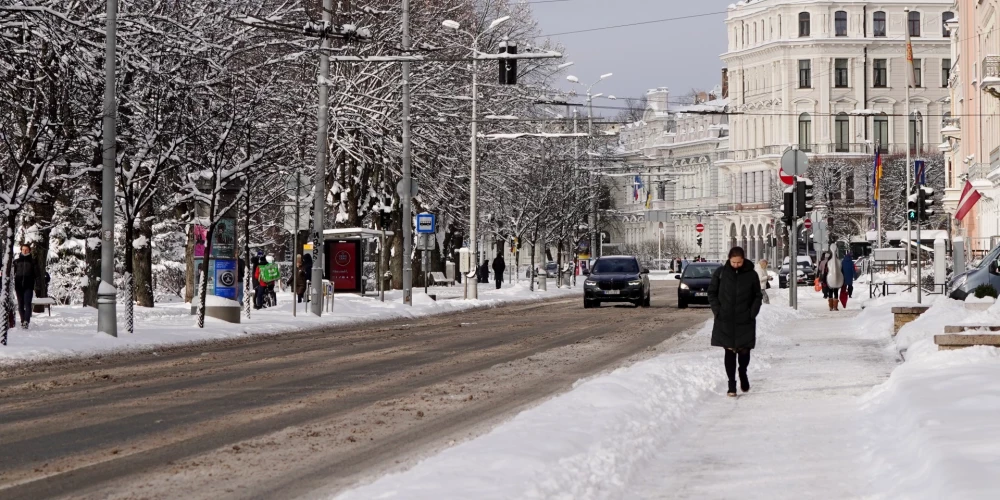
x=617 y=279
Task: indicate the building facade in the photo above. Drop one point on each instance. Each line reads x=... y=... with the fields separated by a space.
x=972 y=136
x=670 y=183
x=830 y=78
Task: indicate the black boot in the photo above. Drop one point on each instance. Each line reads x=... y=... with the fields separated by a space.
x=744 y=381
x=732 y=389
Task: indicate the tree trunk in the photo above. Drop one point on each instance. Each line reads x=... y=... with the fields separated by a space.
x=142 y=261
x=396 y=261
x=43 y=213
x=190 y=270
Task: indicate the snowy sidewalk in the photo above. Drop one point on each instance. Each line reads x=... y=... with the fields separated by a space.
x=794 y=435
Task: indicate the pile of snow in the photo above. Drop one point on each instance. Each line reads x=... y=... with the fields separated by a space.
x=72 y=330
x=933 y=425
x=585 y=443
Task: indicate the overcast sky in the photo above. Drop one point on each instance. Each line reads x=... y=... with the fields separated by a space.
x=681 y=55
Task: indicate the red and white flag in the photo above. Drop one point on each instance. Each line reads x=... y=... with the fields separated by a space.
x=970 y=195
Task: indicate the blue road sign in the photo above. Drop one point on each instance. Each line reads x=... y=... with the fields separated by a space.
x=426 y=223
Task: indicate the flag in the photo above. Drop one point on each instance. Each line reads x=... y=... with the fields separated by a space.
x=921 y=172
x=636 y=186
x=877 y=176
x=970 y=195
x=649 y=199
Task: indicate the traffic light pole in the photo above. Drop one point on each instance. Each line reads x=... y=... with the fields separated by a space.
x=793 y=254
x=920 y=213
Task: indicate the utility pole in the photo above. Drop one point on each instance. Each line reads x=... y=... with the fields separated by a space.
x=472 y=284
x=909 y=168
x=319 y=195
x=107 y=320
x=407 y=173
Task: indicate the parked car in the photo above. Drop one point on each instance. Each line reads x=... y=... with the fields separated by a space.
x=694 y=281
x=987 y=272
x=805 y=266
x=552 y=270
x=783 y=277
x=617 y=279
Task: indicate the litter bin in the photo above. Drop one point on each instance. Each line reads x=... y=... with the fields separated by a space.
x=541 y=279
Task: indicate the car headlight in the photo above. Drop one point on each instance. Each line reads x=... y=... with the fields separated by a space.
x=634 y=283
x=590 y=283
x=959 y=283
x=684 y=286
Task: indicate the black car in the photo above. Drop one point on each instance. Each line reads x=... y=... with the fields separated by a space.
x=693 y=288
x=617 y=279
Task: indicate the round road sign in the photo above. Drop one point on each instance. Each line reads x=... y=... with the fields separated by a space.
x=700 y=228
x=794 y=162
x=785 y=178
x=808 y=223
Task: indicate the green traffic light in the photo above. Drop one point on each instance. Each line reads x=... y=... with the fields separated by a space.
x=912 y=215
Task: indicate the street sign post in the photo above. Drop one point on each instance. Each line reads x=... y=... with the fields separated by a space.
x=700 y=228
x=796 y=163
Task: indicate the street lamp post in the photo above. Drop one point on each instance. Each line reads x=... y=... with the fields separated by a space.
x=107 y=321
x=472 y=283
x=595 y=243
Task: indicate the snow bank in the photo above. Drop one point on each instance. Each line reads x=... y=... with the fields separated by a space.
x=72 y=330
x=583 y=444
x=933 y=425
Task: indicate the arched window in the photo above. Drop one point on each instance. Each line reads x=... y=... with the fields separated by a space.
x=804 y=24
x=805 y=132
x=914 y=23
x=945 y=17
x=840 y=23
x=842 y=133
x=878 y=24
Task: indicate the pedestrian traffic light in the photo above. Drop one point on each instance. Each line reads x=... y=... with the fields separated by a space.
x=911 y=207
x=804 y=197
x=786 y=207
x=508 y=67
x=926 y=200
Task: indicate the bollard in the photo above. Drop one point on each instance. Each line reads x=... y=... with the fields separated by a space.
x=542 y=280
x=940 y=265
x=329 y=297
x=959 y=248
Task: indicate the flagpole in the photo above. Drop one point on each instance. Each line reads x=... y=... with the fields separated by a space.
x=878 y=196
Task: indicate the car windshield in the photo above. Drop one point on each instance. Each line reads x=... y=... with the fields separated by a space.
x=698 y=271
x=616 y=266
x=992 y=256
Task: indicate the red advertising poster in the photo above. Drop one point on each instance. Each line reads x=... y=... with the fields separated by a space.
x=344 y=265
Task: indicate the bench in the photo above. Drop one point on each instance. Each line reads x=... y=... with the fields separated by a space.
x=956 y=337
x=439 y=278
x=904 y=315
x=45 y=302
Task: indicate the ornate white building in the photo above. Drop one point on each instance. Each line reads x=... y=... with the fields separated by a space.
x=830 y=77
x=670 y=181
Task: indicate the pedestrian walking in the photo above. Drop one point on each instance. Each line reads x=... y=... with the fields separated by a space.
x=824 y=260
x=735 y=297
x=300 y=280
x=499 y=266
x=25 y=271
x=834 y=278
x=484 y=272
x=847 y=267
x=764 y=278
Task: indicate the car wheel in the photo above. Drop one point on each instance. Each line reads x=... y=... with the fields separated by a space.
x=681 y=304
x=648 y=300
x=587 y=304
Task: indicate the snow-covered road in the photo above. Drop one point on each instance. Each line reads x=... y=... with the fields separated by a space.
x=794 y=435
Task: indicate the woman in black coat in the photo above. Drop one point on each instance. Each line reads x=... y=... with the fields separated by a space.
x=735 y=297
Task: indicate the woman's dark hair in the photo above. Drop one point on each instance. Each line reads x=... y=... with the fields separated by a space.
x=737 y=252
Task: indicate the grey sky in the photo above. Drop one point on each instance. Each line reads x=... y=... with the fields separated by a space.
x=681 y=54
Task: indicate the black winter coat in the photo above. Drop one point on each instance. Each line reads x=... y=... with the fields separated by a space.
x=735 y=297
x=499 y=266
x=25 y=272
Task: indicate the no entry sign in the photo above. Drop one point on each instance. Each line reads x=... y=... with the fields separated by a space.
x=700 y=228
x=785 y=178
x=808 y=223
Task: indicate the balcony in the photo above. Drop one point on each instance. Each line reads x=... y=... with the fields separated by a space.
x=952 y=127
x=991 y=76
x=979 y=171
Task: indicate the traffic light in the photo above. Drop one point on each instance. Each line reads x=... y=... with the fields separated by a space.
x=805 y=197
x=926 y=200
x=786 y=208
x=508 y=67
x=699 y=240
x=911 y=207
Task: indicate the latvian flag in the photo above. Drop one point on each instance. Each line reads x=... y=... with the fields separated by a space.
x=970 y=195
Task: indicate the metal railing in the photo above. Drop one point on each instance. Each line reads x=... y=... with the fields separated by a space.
x=979 y=171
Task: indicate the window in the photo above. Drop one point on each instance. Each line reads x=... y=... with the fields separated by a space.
x=805 y=132
x=805 y=74
x=882 y=133
x=945 y=72
x=878 y=24
x=914 y=23
x=841 y=76
x=804 y=24
x=880 y=73
x=918 y=80
x=945 y=17
x=840 y=23
x=842 y=132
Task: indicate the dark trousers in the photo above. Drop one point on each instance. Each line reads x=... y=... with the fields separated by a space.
x=499 y=283
x=731 y=358
x=258 y=296
x=24 y=303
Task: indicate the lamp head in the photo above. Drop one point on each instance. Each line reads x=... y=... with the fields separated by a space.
x=497 y=22
x=606 y=75
x=452 y=25
x=573 y=79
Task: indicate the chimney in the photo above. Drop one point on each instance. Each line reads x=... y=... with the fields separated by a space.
x=725 y=83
